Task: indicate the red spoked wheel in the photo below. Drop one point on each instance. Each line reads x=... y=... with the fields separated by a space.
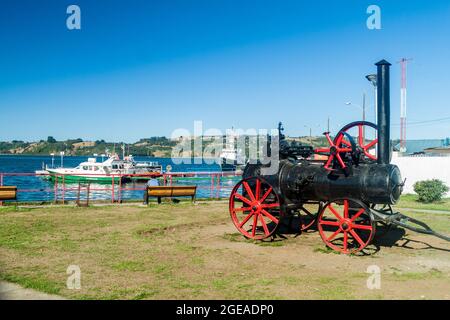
x=334 y=152
x=346 y=225
x=367 y=138
x=255 y=208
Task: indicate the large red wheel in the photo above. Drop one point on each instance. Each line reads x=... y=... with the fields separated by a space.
x=366 y=142
x=255 y=208
x=346 y=225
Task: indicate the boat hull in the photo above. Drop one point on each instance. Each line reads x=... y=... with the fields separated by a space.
x=67 y=178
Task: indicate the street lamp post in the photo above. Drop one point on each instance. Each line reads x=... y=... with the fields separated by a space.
x=62 y=158
x=373 y=80
x=53 y=160
x=363 y=108
x=310 y=132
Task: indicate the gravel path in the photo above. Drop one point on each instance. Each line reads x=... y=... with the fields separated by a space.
x=11 y=291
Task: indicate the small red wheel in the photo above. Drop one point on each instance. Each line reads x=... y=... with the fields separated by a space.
x=346 y=225
x=334 y=153
x=255 y=208
x=359 y=129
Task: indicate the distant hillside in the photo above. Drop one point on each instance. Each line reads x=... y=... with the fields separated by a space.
x=154 y=146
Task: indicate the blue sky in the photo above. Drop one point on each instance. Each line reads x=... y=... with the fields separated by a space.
x=145 y=68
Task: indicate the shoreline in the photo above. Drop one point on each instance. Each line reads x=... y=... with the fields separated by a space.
x=68 y=156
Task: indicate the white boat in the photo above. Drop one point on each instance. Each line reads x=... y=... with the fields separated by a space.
x=141 y=170
x=91 y=170
x=112 y=169
x=231 y=157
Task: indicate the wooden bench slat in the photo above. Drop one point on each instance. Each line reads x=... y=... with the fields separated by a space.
x=171 y=191
x=8 y=193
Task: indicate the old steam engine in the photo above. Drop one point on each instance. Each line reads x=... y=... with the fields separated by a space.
x=345 y=196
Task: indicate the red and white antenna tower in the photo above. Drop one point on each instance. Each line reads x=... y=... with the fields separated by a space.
x=403 y=91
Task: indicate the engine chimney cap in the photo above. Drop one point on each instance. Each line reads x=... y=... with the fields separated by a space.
x=383 y=63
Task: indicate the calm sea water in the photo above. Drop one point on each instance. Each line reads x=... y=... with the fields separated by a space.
x=35 y=188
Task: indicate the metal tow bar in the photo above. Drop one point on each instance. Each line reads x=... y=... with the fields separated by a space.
x=403 y=221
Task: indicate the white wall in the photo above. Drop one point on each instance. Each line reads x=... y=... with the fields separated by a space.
x=422 y=168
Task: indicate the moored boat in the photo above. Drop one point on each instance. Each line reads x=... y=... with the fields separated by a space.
x=141 y=170
x=113 y=169
x=102 y=172
x=231 y=158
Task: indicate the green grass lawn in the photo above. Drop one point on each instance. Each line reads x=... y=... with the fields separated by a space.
x=186 y=251
x=411 y=201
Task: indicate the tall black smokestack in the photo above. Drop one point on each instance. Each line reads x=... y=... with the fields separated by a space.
x=384 y=112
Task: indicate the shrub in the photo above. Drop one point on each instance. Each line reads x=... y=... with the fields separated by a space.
x=430 y=190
